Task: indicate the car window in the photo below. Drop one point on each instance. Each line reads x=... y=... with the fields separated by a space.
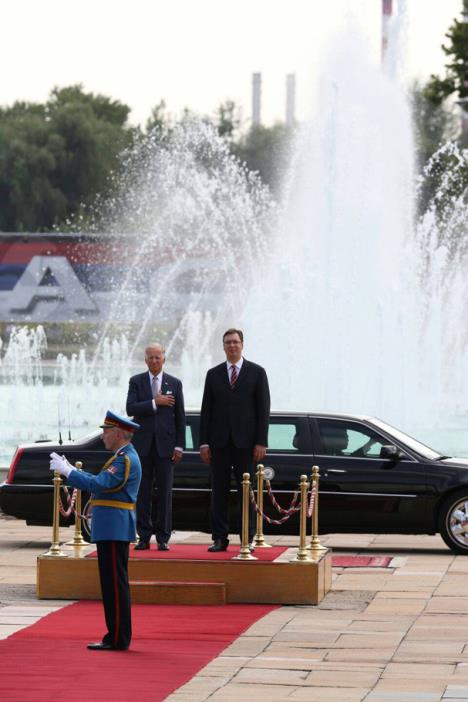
x=283 y=437
x=342 y=438
x=189 y=444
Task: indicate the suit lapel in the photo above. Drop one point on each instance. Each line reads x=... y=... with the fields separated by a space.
x=146 y=385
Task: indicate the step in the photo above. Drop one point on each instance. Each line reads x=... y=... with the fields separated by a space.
x=176 y=592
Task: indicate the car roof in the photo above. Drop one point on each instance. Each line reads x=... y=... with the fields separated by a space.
x=306 y=413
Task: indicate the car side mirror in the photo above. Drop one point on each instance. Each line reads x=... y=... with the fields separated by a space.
x=392 y=453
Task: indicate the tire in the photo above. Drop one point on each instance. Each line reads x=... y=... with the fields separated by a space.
x=453 y=521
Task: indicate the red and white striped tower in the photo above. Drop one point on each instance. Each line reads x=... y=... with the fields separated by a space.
x=387 y=12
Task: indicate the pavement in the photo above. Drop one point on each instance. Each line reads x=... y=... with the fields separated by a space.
x=394 y=634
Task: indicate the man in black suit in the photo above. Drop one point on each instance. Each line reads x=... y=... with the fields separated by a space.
x=156 y=401
x=233 y=429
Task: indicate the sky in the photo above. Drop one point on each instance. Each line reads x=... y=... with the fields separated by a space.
x=196 y=53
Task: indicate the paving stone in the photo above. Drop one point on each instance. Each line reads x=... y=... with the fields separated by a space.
x=448 y=604
x=247 y=646
x=367 y=640
x=405 y=696
x=456 y=692
x=346 y=678
x=398 y=606
x=419 y=670
x=323 y=694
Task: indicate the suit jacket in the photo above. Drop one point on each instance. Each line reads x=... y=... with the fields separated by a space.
x=166 y=425
x=116 y=484
x=241 y=414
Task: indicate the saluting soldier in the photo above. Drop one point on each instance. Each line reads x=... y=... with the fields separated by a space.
x=113 y=500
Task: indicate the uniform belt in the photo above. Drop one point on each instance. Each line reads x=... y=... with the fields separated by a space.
x=112 y=503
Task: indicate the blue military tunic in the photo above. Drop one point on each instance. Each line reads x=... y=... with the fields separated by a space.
x=113 y=495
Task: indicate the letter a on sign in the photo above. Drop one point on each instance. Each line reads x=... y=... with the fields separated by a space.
x=50 y=279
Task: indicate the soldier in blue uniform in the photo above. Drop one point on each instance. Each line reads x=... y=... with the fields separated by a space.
x=113 y=498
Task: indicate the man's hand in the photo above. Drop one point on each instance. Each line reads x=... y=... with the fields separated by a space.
x=177 y=456
x=258 y=453
x=205 y=454
x=59 y=464
x=164 y=400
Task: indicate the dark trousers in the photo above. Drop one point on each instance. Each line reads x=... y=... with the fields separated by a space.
x=159 y=472
x=113 y=573
x=223 y=460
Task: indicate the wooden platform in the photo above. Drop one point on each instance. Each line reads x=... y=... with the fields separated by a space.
x=191 y=581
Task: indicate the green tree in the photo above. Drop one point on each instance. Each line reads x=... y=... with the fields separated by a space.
x=159 y=119
x=455 y=80
x=228 y=119
x=55 y=158
x=266 y=151
x=434 y=125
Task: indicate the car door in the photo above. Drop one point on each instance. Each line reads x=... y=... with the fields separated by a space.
x=289 y=455
x=361 y=491
x=191 y=493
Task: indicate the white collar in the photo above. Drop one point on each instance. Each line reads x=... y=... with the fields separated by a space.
x=238 y=365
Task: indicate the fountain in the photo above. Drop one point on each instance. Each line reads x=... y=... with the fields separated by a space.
x=350 y=306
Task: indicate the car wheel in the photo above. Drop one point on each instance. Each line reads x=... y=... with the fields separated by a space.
x=453 y=522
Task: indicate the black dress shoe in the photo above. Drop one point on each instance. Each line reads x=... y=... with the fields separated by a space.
x=142 y=546
x=163 y=546
x=101 y=646
x=219 y=545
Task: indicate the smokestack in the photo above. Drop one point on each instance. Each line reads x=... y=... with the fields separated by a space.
x=387 y=12
x=256 y=98
x=290 y=99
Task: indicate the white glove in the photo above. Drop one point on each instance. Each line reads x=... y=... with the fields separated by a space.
x=60 y=464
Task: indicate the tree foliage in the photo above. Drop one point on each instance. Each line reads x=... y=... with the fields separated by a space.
x=55 y=157
x=455 y=80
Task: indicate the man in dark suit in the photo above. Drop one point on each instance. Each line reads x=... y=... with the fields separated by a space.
x=156 y=401
x=233 y=429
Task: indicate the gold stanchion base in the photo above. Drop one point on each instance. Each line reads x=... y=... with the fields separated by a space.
x=55 y=552
x=316 y=546
x=260 y=543
x=76 y=542
x=302 y=556
x=244 y=555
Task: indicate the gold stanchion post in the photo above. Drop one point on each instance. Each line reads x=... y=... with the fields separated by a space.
x=315 y=544
x=259 y=540
x=245 y=554
x=78 y=537
x=303 y=555
x=55 y=549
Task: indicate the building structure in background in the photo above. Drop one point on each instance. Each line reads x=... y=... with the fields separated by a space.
x=387 y=12
x=290 y=99
x=256 y=98
x=73 y=278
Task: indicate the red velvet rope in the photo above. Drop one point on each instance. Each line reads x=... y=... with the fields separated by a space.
x=287 y=513
x=70 y=503
x=275 y=504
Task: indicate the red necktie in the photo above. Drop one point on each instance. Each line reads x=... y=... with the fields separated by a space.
x=233 y=376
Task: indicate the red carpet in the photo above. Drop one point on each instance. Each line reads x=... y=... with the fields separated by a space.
x=198 y=552
x=49 y=661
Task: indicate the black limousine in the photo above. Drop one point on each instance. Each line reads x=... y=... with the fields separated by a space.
x=373 y=478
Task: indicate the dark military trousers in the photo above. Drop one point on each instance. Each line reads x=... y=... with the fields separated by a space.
x=113 y=573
